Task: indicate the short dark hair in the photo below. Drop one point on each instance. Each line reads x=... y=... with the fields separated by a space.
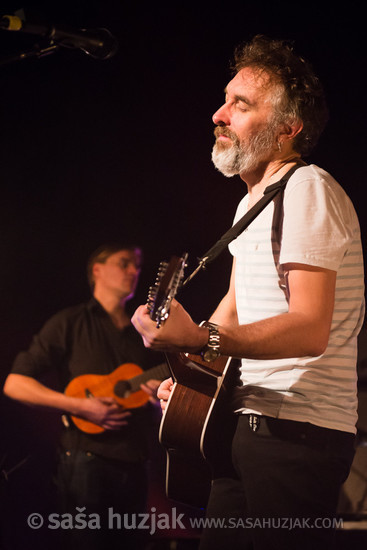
x=303 y=98
x=103 y=252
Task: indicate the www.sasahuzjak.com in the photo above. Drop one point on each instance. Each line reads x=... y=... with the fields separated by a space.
x=153 y=521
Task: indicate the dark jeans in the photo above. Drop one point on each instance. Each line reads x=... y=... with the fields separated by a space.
x=104 y=490
x=283 y=491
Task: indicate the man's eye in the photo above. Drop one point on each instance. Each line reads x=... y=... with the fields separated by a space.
x=124 y=264
x=242 y=107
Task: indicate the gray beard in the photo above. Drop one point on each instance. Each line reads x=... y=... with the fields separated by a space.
x=232 y=161
x=241 y=157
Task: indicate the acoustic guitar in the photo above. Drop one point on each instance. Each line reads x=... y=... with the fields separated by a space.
x=197 y=425
x=123 y=384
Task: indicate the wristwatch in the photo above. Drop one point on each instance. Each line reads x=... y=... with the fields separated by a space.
x=210 y=352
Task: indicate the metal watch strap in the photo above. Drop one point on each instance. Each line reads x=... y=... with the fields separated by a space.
x=212 y=349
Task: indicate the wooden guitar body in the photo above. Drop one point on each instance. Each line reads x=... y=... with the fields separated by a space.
x=197 y=426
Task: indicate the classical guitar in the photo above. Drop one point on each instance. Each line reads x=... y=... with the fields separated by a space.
x=197 y=425
x=123 y=384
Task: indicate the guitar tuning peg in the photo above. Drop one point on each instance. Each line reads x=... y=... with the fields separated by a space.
x=152 y=293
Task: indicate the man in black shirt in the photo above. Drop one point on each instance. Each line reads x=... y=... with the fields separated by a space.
x=100 y=472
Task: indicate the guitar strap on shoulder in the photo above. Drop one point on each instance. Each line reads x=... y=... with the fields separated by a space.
x=270 y=192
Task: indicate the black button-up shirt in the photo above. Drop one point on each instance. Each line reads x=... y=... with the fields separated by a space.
x=83 y=340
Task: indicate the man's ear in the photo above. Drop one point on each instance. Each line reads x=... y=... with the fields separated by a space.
x=95 y=270
x=290 y=131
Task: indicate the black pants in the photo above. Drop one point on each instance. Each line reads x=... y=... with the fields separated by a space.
x=109 y=493
x=283 y=491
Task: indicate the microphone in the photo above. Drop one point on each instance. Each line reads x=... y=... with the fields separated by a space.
x=98 y=43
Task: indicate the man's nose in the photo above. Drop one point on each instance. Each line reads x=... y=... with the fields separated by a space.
x=221 y=116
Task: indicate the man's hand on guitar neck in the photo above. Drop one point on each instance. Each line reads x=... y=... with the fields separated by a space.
x=151 y=388
x=177 y=333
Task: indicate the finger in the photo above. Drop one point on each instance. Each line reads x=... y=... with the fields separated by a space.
x=153 y=383
x=151 y=387
x=117 y=416
x=110 y=401
x=140 y=315
x=114 y=426
x=163 y=393
x=147 y=389
x=164 y=396
x=114 y=423
x=124 y=415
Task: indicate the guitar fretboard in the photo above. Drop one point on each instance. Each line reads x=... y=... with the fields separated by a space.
x=133 y=384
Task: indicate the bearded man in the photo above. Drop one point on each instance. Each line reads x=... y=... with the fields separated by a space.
x=294 y=308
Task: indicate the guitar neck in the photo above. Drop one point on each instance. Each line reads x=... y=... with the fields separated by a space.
x=159 y=372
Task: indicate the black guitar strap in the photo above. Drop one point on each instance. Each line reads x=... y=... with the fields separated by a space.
x=270 y=192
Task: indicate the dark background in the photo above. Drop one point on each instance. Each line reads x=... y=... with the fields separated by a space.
x=92 y=150
x=97 y=150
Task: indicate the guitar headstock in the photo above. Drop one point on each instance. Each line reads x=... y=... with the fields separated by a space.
x=168 y=281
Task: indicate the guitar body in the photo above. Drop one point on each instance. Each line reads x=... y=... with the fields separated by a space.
x=123 y=384
x=197 y=426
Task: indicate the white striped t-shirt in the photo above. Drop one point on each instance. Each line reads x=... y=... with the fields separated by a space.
x=314 y=224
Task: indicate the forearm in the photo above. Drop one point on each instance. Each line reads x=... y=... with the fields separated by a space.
x=31 y=392
x=287 y=335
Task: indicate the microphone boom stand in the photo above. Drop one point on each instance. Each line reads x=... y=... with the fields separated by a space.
x=36 y=51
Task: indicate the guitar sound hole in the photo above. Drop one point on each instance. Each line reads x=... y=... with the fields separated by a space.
x=122 y=388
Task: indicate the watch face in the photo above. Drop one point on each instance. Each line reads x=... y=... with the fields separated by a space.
x=210 y=355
